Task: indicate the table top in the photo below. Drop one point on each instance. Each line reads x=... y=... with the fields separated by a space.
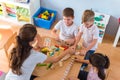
x=57 y=72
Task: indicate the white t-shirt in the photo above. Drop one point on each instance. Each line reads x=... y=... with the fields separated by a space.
x=88 y=35
x=28 y=66
x=66 y=32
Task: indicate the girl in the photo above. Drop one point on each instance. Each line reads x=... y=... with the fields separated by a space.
x=24 y=57
x=99 y=63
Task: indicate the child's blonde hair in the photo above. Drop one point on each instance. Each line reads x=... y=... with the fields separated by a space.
x=88 y=15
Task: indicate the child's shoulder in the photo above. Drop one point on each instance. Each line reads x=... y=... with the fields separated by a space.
x=95 y=27
x=60 y=21
x=75 y=25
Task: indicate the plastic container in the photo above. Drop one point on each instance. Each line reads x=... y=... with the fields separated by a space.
x=42 y=23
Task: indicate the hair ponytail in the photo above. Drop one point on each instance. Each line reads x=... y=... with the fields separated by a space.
x=101 y=73
x=107 y=64
x=22 y=48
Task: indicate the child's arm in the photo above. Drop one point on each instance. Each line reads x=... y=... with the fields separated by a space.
x=77 y=58
x=85 y=50
x=92 y=44
x=55 y=30
x=77 y=39
x=54 y=33
x=53 y=59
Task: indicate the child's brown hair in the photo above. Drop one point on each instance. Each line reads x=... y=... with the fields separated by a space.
x=68 y=12
x=88 y=15
x=101 y=62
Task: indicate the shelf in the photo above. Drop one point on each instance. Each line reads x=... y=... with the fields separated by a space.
x=13 y=20
x=101 y=20
x=22 y=11
x=101 y=29
x=25 y=5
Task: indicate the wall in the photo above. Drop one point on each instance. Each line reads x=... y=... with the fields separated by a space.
x=110 y=7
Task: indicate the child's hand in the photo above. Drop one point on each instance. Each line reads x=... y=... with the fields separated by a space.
x=77 y=59
x=70 y=51
x=57 y=38
x=73 y=47
x=83 y=52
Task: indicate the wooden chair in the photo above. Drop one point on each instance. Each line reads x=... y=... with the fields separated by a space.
x=8 y=44
x=107 y=73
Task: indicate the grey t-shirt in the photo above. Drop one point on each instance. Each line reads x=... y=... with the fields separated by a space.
x=28 y=66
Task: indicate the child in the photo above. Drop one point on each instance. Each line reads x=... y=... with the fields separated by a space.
x=99 y=63
x=68 y=29
x=90 y=34
x=24 y=58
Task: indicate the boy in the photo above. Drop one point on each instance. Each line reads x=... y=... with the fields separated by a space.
x=68 y=30
x=90 y=34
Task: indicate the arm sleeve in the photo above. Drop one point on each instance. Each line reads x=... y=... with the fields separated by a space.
x=76 y=31
x=96 y=33
x=57 y=26
x=41 y=57
x=81 y=28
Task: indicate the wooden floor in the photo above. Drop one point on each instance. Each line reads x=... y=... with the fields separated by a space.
x=106 y=47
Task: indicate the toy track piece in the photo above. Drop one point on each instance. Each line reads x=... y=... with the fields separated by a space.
x=68 y=69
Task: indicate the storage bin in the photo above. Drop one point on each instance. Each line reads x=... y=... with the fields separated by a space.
x=42 y=23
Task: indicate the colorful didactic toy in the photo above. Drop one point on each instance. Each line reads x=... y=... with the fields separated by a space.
x=23 y=14
x=46 y=15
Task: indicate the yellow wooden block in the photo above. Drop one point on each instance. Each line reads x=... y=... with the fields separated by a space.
x=61 y=48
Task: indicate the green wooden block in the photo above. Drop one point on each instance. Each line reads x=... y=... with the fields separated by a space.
x=43 y=64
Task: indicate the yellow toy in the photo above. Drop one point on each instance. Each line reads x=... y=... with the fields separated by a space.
x=45 y=15
x=45 y=50
x=23 y=18
x=52 y=14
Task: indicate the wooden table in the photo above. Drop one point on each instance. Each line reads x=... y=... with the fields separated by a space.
x=4 y=35
x=57 y=73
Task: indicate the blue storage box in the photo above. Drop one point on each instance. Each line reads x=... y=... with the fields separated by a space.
x=42 y=23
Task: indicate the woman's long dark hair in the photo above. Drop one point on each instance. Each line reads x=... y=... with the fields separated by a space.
x=22 y=49
x=101 y=62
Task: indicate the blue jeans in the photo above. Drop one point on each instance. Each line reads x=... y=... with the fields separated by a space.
x=87 y=56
